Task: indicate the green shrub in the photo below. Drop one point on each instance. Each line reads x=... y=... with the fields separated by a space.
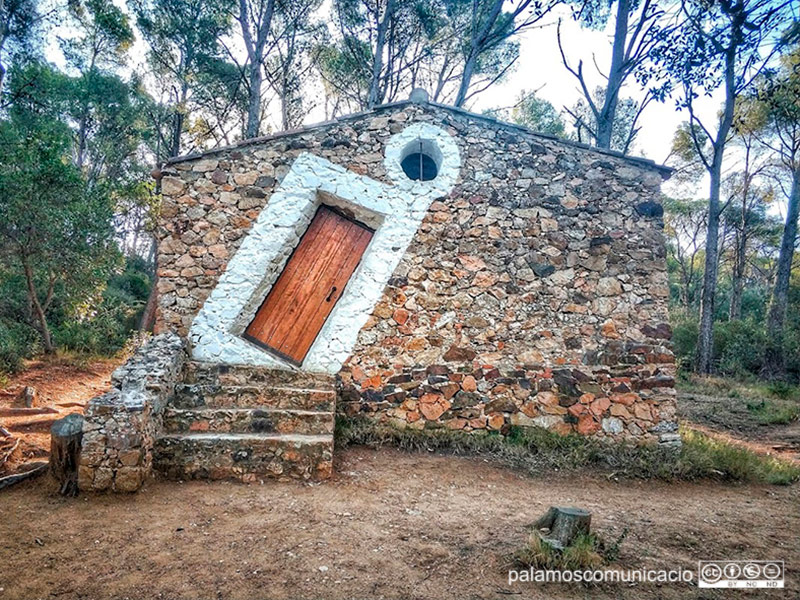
x=106 y=330
x=739 y=347
x=17 y=342
x=773 y=413
x=684 y=341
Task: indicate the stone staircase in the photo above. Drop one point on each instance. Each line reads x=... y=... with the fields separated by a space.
x=247 y=423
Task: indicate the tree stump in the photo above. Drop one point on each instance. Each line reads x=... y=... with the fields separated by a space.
x=563 y=525
x=65 y=452
x=28 y=396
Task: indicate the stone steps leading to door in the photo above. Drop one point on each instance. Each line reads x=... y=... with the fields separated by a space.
x=208 y=373
x=249 y=424
x=196 y=395
x=246 y=457
x=248 y=420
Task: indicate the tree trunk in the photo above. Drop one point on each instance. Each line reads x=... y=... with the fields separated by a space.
x=774 y=363
x=254 y=101
x=65 y=452
x=148 y=319
x=466 y=79
x=616 y=75
x=737 y=276
x=563 y=525
x=705 y=341
x=33 y=298
x=377 y=60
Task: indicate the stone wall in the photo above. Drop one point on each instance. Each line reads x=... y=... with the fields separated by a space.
x=536 y=292
x=121 y=426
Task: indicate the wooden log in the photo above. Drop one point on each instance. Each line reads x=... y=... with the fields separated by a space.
x=563 y=524
x=65 y=452
x=21 y=412
x=33 y=469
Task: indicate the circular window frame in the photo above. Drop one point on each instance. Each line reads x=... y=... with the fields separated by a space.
x=436 y=143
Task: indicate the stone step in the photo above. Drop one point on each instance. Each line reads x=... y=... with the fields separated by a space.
x=243 y=456
x=225 y=375
x=199 y=395
x=248 y=420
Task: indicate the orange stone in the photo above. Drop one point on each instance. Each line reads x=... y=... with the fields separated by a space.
x=432 y=411
x=587 y=425
x=469 y=384
x=586 y=398
x=576 y=409
x=373 y=382
x=599 y=406
x=400 y=316
x=496 y=420
x=626 y=399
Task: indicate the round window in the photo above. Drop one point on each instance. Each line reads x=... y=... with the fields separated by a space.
x=420 y=167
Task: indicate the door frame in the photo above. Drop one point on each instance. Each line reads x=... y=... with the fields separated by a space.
x=277 y=353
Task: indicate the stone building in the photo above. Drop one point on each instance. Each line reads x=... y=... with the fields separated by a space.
x=415 y=264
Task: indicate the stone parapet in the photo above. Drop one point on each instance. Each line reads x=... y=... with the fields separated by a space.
x=634 y=402
x=122 y=425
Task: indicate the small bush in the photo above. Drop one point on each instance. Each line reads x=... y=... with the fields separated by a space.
x=584 y=553
x=17 y=342
x=739 y=347
x=772 y=413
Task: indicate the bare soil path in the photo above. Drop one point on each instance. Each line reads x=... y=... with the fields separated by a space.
x=61 y=388
x=389 y=525
x=731 y=419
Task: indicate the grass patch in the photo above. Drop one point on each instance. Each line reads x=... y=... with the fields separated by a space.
x=728 y=387
x=587 y=551
x=768 y=412
x=583 y=553
x=536 y=451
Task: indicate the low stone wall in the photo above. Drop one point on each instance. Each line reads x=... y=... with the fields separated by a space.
x=121 y=426
x=632 y=402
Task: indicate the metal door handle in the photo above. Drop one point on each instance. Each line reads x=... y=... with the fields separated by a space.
x=330 y=295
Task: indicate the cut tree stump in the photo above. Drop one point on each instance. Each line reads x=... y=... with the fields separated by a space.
x=65 y=452
x=28 y=396
x=563 y=524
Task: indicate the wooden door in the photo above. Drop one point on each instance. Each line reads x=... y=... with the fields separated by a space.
x=306 y=291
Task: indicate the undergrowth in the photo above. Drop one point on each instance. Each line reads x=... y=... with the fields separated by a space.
x=537 y=451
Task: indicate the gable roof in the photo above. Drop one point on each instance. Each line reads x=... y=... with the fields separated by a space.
x=641 y=162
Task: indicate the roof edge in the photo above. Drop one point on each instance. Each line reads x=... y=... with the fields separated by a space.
x=646 y=163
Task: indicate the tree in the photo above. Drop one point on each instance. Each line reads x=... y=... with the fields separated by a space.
x=183 y=37
x=750 y=200
x=684 y=224
x=778 y=96
x=637 y=24
x=716 y=46
x=376 y=50
x=255 y=20
x=534 y=113
x=292 y=59
x=624 y=129
x=53 y=227
x=18 y=19
x=104 y=37
x=489 y=26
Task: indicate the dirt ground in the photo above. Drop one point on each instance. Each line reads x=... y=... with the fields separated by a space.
x=390 y=525
x=61 y=388
x=730 y=418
